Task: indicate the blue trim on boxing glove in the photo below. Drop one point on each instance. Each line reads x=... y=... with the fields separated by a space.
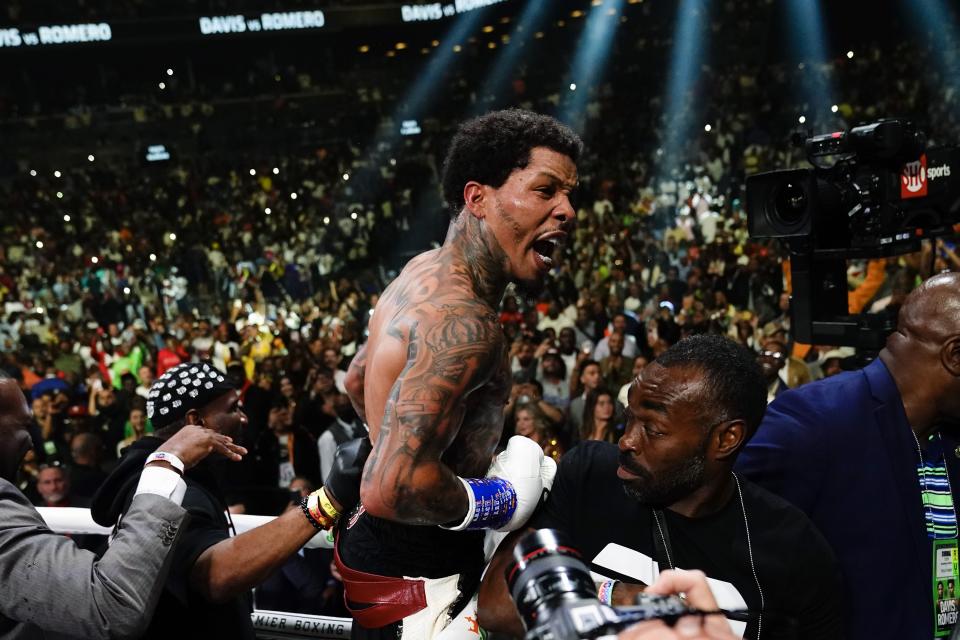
x=495 y=501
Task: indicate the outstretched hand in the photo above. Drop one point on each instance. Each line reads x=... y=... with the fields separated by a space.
x=193 y=443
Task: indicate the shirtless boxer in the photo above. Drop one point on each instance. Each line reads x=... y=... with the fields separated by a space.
x=433 y=378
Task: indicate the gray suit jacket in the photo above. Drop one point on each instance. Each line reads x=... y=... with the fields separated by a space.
x=48 y=584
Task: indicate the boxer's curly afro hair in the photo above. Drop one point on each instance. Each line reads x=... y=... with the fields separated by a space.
x=489 y=148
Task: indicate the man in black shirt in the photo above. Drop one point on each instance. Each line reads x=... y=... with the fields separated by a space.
x=668 y=494
x=206 y=594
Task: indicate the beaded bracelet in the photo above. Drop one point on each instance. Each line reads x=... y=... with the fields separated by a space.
x=605 y=592
x=306 y=512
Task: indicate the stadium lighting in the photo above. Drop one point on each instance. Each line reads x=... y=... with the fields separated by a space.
x=253 y=172
x=170 y=72
x=59 y=194
x=162 y=85
x=94 y=259
x=707 y=128
x=834 y=108
x=153 y=257
x=90 y=157
x=807 y=38
x=850 y=55
x=293 y=196
x=56 y=174
x=66 y=217
x=33 y=172
x=353 y=215
x=686 y=58
x=172 y=237
x=267 y=211
x=326 y=219
x=429 y=79
x=276 y=171
x=802 y=119
x=934 y=22
x=39 y=244
x=126 y=291
x=590 y=60
x=346 y=177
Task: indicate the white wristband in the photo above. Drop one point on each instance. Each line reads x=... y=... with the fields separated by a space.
x=471 y=507
x=167 y=457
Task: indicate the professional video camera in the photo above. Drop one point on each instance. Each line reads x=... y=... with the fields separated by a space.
x=557 y=599
x=874 y=191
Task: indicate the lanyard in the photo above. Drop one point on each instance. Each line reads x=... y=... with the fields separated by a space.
x=663 y=547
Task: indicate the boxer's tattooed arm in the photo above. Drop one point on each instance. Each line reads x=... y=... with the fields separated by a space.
x=451 y=352
x=356 y=373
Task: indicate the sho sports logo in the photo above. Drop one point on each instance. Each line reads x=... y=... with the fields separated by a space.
x=916 y=175
x=943 y=171
x=913 y=178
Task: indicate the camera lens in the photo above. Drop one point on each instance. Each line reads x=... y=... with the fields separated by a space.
x=547 y=572
x=790 y=203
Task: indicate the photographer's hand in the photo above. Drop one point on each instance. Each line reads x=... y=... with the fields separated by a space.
x=693 y=584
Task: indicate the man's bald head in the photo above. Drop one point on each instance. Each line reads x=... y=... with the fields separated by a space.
x=932 y=311
x=923 y=354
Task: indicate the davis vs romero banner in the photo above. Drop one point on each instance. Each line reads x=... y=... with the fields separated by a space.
x=133 y=32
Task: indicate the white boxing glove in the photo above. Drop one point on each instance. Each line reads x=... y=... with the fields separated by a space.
x=531 y=473
x=506 y=498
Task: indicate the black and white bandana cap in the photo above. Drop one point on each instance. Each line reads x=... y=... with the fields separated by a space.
x=187 y=386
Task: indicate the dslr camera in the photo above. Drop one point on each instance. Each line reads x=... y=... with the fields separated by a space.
x=557 y=598
x=874 y=191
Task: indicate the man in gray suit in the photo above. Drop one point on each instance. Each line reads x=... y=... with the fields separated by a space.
x=51 y=585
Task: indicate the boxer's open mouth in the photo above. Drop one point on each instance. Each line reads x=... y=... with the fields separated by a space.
x=545 y=245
